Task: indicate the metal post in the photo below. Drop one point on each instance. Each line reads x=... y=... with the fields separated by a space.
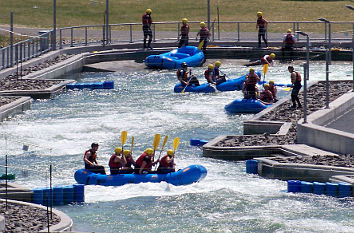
x=107 y=20
x=72 y=37
x=329 y=43
x=154 y=32
x=11 y=38
x=353 y=56
x=327 y=78
x=61 y=39
x=131 y=33
x=85 y=35
x=306 y=76
x=209 y=14
x=238 y=31
x=178 y=30
x=54 y=35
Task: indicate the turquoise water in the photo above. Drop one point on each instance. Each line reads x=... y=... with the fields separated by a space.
x=143 y=103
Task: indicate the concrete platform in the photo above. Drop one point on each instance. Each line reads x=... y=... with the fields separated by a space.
x=18 y=106
x=15 y=192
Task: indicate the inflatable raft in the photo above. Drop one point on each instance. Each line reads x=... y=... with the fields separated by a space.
x=203 y=88
x=188 y=175
x=234 y=84
x=173 y=59
x=245 y=106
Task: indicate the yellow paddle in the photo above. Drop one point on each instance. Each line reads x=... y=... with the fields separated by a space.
x=163 y=145
x=175 y=143
x=131 y=147
x=156 y=141
x=123 y=137
x=201 y=45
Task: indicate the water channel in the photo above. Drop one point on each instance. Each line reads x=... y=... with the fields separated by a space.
x=59 y=130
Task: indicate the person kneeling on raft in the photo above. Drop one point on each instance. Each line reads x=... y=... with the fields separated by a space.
x=249 y=87
x=266 y=95
x=145 y=162
x=167 y=164
x=90 y=161
x=184 y=78
x=128 y=166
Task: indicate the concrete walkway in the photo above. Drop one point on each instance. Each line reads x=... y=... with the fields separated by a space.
x=344 y=123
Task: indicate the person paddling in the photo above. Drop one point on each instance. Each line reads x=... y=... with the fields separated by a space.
x=249 y=87
x=90 y=160
x=130 y=163
x=116 y=161
x=186 y=78
x=167 y=164
x=145 y=162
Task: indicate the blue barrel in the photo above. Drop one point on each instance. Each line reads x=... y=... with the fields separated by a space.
x=252 y=166
x=197 y=142
x=306 y=187
x=47 y=196
x=58 y=195
x=98 y=85
x=344 y=190
x=37 y=196
x=79 y=192
x=319 y=188
x=68 y=194
x=294 y=186
x=108 y=84
x=331 y=189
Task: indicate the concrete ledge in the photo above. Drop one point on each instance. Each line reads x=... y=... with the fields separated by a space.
x=16 y=192
x=18 y=106
x=307 y=172
x=2 y=223
x=326 y=138
x=65 y=223
x=39 y=94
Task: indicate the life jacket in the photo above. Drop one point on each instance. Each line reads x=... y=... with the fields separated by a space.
x=129 y=163
x=207 y=73
x=147 y=20
x=185 y=30
x=261 y=22
x=92 y=156
x=267 y=96
x=216 y=72
x=204 y=33
x=113 y=164
x=273 y=90
x=289 y=39
x=266 y=58
x=183 y=74
x=141 y=159
x=251 y=79
x=297 y=82
x=164 y=163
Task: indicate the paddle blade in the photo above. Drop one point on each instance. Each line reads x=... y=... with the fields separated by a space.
x=175 y=143
x=164 y=142
x=131 y=148
x=287 y=89
x=183 y=90
x=201 y=45
x=123 y=137
x=265 y=68
x=156 y=141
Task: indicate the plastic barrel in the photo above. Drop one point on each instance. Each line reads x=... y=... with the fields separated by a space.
x=344 y=190
x=58 y=195
x=108 y=84
x=252 y=166
x=79 y=192
x=331 y=189
x=319 y=188
x=306 y=187
x=37 y=196
x=68 y=194
x=294 y=186
x=47 y=196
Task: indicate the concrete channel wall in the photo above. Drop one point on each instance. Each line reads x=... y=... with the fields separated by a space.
x=315 y=133
x=18 y=106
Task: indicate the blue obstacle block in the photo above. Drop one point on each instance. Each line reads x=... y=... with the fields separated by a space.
x=79 y=192
x=68 y=194
x=58 y=196
x=37 y=196
x=331 y=189
x=108 y=84
x=294 y=186
x=252 y=166
x=47 y=197
x=319 y=188
x=306 y=187
x=344 y=190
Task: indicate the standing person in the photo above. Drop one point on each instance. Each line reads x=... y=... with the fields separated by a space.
x=274 y=90
x=288 y=43
x=145 y=162
x=262 y=28
x=203 y=35
x=186 y=78
x=167 y=164
x=249 y=88
x=184 y=33
x=90 y=161
x=218 y=78
x=128 y=166
x=116 y=161
x=266 y=59
x=147 y=21
x=296 y=85
x=266 y=95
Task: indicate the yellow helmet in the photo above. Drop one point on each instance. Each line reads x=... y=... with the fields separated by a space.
x=148 y=11
x=289 y=30
x=126 y=152
x=271 y=81
x=272 y=55
x=118 y=150
x=170 y=152
x=218 y=63
x=202 y=24
x=149 y=151
x=251 y=69
x=211 y=66
x=266 y=85
x=184 y=20
x=259 y=13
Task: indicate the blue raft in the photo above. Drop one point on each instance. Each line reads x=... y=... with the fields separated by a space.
x=173 y=59
x=202 y=88
x=245 y=106
x=188 y=175
x=234 y=84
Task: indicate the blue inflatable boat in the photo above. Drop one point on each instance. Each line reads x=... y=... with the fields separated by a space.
x=188 y=175
x=173 y=59
x=202 y=88
x=245 y=106
x=234 y=84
